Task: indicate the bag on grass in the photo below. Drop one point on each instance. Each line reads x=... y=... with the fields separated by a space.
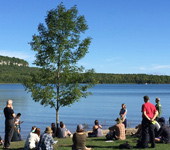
x=125 y=146
x=139 y=144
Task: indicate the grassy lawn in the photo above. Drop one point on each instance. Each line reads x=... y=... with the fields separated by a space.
x=94 y=143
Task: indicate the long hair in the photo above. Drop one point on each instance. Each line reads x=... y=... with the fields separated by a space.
x=61 y=124
x=37 y=131
x=96 y=122
x=123 y=105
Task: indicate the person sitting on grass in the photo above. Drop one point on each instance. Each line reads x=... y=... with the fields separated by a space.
x=46 y=140
x=117 y=131
x=163 y=135
x=32 y=139
x=97 y=130
x=1 y=141
x=63 y=132
x=79 y=139
x=139 y=131
x=54 y=128
x=33 y=128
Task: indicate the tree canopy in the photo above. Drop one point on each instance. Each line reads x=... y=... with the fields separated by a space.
x=58 y=48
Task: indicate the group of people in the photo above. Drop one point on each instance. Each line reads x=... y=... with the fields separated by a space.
x=12 y=131
x=36 y=140
x=152 y=124
x=117 y=132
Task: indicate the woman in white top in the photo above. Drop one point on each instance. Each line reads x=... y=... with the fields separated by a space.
x=32 y=139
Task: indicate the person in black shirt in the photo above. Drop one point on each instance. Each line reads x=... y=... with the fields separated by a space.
x=54 y=128
x=163 y=135
x=9 y=123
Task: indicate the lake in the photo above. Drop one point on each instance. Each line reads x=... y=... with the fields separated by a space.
x=104 y=105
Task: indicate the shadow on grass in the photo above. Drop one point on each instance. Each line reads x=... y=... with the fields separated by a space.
x=63 y=145
x=17 y=148
x=99 y=139
x=108 y=147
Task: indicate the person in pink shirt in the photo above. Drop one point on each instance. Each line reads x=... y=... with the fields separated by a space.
x=149 y=114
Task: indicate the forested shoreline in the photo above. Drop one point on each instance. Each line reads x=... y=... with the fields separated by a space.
x=17 y=74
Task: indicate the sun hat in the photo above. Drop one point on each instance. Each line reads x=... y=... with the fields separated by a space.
x=118 y=120
x=48 y=130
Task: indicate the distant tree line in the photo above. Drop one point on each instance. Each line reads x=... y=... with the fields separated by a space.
x=12 y=61
x=106 y=78
x=16 y=74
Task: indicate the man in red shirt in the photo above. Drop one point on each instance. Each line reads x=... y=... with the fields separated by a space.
x=149 y=114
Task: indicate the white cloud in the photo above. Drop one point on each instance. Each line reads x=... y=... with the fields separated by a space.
x=142 y=68
x=154 y=67
x=161 y=67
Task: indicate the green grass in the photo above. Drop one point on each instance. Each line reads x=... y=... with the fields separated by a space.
x=94 y=143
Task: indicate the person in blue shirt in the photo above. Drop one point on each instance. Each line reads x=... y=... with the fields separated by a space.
x=122 y=114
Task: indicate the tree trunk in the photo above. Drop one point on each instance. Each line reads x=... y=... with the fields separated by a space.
x=57 y=117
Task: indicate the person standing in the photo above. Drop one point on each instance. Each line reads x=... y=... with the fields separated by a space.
x=158 y=107
x=9 y=123
x=149 y=114
x=122 y=114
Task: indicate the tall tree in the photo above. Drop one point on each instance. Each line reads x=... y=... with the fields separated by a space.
x=58 y=48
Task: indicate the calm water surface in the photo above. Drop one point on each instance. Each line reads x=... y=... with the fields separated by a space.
x=104 y=105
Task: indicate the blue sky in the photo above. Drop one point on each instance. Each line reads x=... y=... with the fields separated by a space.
x=129 y=36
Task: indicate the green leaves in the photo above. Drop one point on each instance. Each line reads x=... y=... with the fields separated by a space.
x=59 y=48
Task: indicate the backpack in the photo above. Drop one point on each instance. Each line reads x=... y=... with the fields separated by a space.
x=139 y=144
x=125 y=146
